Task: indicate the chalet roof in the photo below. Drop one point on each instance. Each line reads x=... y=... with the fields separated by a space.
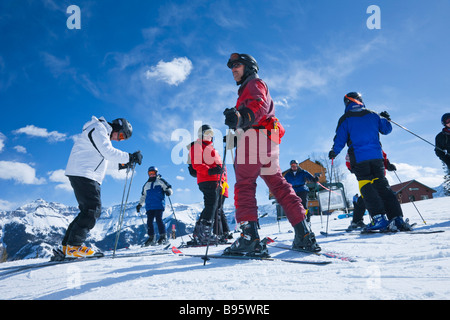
x=401 y=186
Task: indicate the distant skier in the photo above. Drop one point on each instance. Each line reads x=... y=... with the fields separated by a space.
x=153 y=196
x=359 y=128
x=257 y=155
x=208 y=168
x=86 y=169
x=298 y=177
x=443 y=141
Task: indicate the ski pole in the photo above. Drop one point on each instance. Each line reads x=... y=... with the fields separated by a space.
x=437 y=148
x=176 y=220
x=329 y=194
x=123 y=205
x=411 y=200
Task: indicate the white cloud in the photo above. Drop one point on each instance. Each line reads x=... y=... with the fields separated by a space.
x=34 y=131
x=6 y=205
x=62 y=180
x=2 y=141
x=431 y=177
x=20 y=172
x=173 y=72
x=20 y=149
x=179 y=178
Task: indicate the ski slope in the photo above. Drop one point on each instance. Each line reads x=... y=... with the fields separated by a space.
x=397 y=266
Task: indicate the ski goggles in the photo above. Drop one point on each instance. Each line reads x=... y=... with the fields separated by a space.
x=354 y=100
x=152 y=173
x=234 y=61
x=122 y=136
x=208 y=133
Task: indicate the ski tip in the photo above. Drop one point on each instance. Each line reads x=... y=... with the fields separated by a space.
x=176 y=250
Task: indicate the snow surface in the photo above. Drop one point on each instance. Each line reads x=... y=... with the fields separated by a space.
x=398 y=266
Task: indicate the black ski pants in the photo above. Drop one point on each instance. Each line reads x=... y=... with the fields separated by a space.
x=153 y=215
x=87 y=193
x=209 y=190
x=359 y=208
x=375 y=189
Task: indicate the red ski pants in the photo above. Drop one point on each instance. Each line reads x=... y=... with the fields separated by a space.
x=257 y=156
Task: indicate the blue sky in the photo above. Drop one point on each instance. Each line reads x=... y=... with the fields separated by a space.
x=162 y=65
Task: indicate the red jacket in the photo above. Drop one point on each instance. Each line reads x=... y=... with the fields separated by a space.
x=204 y=157
x=254 y=95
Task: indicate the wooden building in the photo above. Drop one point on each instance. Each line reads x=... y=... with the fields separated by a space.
x=412 y=190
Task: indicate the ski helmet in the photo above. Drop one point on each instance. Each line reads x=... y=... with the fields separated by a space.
x=445 y=118
x=251 y=66
x=204 y=128
x=153 y=168
x=246 y=59
x=355 y=97
x=293 y=161
x=123 y=127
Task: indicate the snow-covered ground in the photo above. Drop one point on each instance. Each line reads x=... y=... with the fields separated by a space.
x=399 y=266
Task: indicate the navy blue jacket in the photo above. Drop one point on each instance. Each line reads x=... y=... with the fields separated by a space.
x=153 y=194
x=298 y=181
x=360 y=129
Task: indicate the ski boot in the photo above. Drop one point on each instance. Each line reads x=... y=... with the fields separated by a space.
x=398 y=224
x=151 y=241
x=304 y=239
x=78 y=251
x=356 y=226
x=202 y=233
x=162 y=239
x=248 y=243
x=379 y=223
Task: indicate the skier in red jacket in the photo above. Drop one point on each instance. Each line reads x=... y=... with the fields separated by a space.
x=258 y=134
x=207 y=164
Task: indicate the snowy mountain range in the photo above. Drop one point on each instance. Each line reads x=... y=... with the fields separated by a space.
x=32 y=230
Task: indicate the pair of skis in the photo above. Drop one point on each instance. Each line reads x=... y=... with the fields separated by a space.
x=331 y=255
x=246 y=257
x=361 y=232
x=58 y=259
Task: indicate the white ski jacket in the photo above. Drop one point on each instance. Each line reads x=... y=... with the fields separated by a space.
x=92 y=150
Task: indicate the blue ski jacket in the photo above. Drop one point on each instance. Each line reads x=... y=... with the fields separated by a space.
x=360 y=129
x=153 y=194
x=298 y=180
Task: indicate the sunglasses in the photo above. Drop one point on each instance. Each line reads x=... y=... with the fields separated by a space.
x=236 y=65
x=152 y=173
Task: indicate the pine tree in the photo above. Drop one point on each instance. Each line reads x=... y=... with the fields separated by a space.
x=446 y=184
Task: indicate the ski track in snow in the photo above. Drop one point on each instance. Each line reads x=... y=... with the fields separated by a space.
x=397 y=266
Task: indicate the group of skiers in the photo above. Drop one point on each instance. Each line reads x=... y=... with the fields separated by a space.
x=255 y=133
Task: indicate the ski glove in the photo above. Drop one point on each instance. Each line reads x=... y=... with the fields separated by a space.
x=235 y=119
x=136 y=157
x=385 y=115
x=332 y=154
x=168 y=192
x=391 y=167
x=138 y=208
x=123 y=165
x=215 y=170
